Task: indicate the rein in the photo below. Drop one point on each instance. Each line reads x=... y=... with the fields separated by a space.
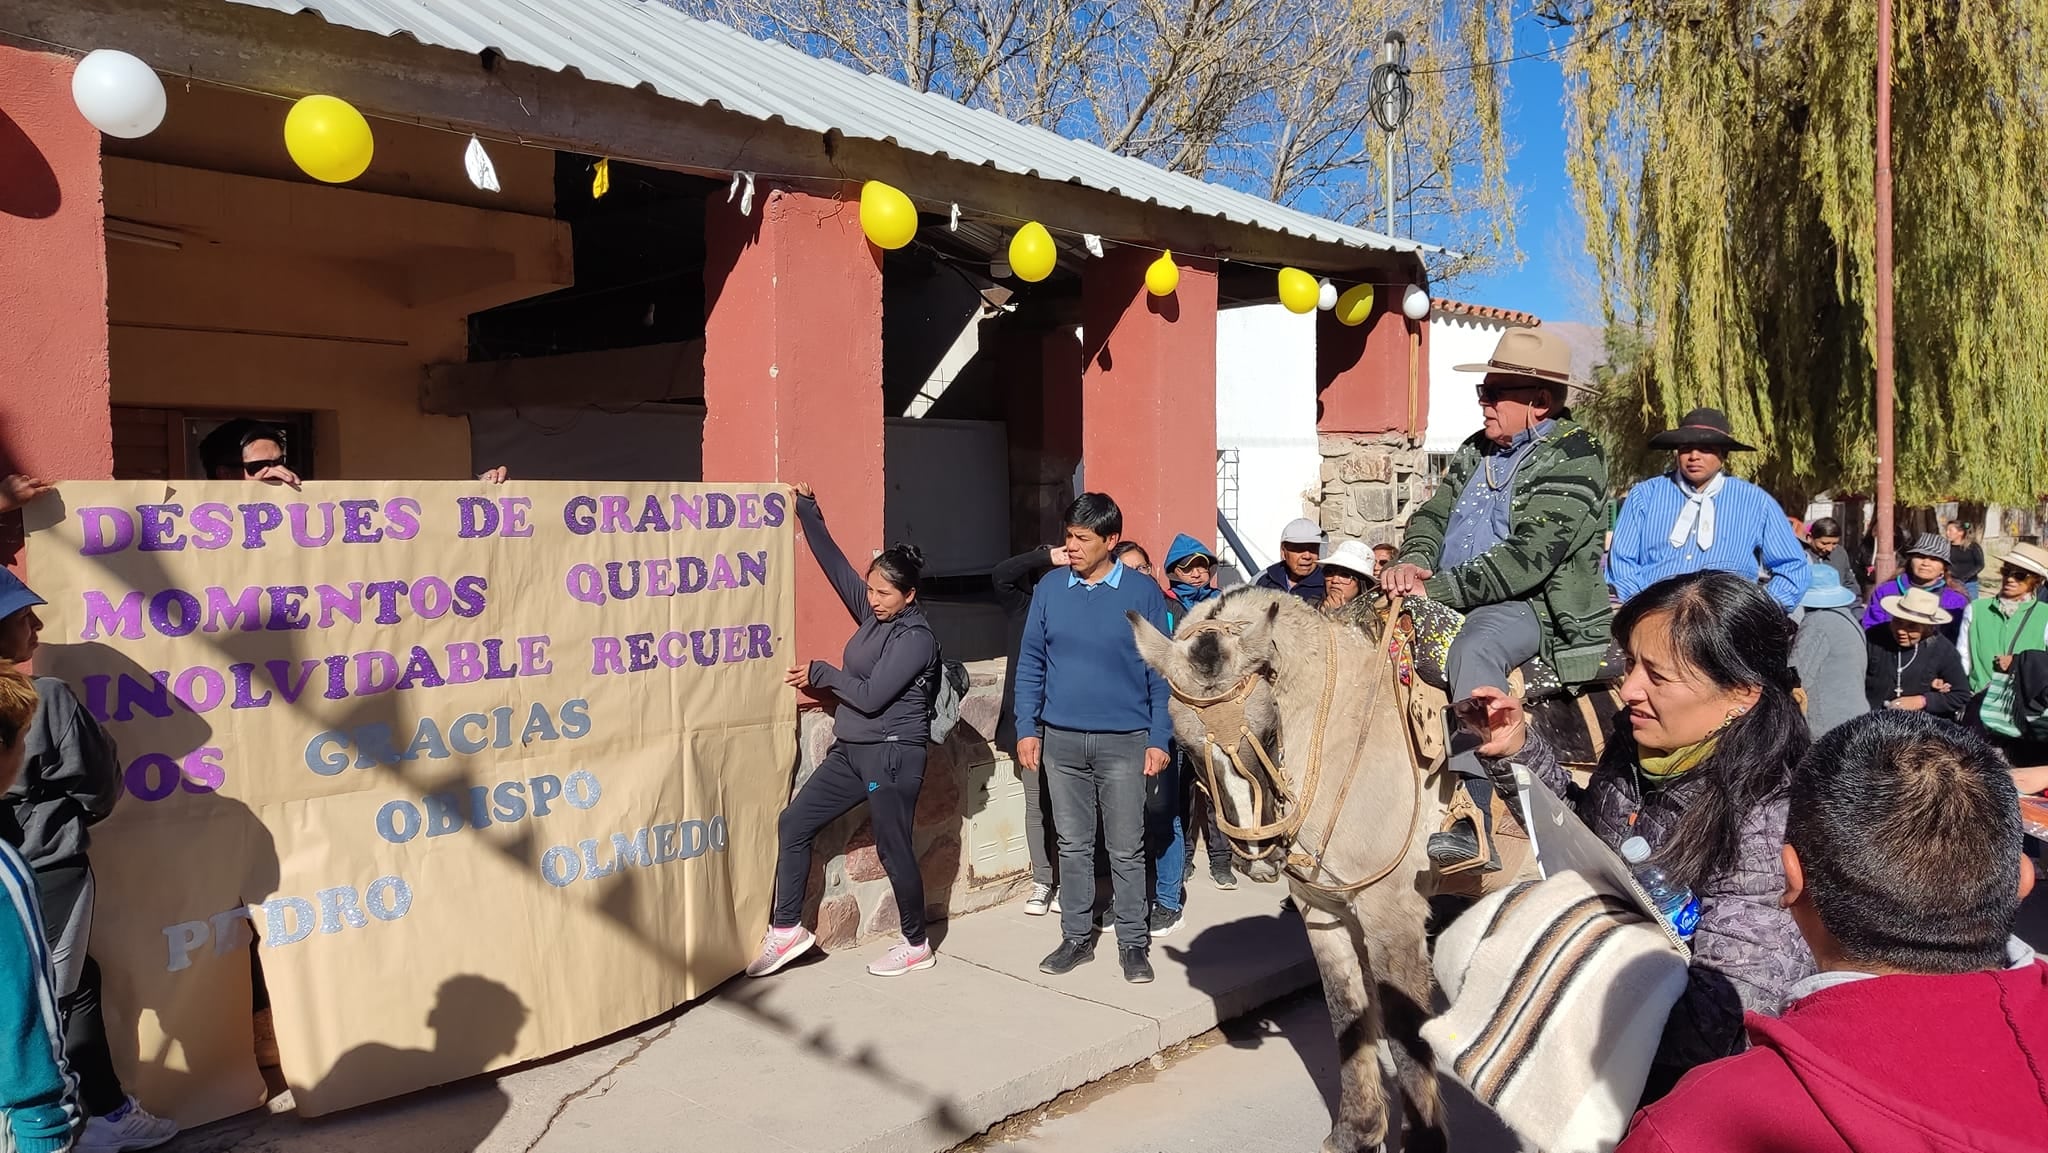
x=1224 y=713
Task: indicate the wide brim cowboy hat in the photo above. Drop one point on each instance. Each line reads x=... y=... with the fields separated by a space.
x=1536 y=353
x=1916 y=605
x=1701 y=428
x=2031 y=557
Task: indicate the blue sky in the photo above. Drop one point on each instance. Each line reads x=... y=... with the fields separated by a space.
x=1555 y=279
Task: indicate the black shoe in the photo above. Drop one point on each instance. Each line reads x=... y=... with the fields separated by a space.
x=1164 y=920
x=1137 y=966
x=1221 y=873
x=1459 y=845
x=1068 y=955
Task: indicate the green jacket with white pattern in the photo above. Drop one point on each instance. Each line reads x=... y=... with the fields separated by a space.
x=1551 y=557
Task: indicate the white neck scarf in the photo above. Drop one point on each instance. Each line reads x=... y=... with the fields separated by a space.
x=1698 y=511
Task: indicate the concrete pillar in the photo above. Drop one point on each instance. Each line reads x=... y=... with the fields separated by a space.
x=1148 y=396
x=54 y=420
x=793 y=375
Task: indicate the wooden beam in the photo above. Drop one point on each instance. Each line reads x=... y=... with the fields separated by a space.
x=399 y=77
x=619 y=376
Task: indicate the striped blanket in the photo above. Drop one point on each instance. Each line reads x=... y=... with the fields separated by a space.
x=1558 y=992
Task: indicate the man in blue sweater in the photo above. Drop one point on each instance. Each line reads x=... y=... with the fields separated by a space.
x=1094 y=714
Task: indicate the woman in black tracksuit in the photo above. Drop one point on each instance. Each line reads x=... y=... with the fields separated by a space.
x=884 y=686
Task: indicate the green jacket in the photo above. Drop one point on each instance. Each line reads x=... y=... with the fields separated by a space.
x=1995 y=631
x=1551 y=557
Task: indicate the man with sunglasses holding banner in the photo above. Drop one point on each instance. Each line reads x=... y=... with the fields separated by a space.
x=1511 y=539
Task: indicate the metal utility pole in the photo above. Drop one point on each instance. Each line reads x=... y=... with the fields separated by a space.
x=1885 y=561
x=1389 y=99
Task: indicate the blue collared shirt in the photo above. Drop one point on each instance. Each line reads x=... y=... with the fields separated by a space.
x=1751 y=536
x=1479 y=520
x=1115 y=579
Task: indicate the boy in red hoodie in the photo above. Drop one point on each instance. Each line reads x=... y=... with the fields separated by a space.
x=1927 y=1025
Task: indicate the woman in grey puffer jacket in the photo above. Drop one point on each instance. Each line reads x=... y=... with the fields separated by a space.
x=1697 y=767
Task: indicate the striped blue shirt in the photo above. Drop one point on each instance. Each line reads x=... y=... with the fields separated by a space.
x=1751 y=537
x=38 y=1096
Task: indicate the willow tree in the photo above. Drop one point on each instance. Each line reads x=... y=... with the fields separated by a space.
x=1722 y=152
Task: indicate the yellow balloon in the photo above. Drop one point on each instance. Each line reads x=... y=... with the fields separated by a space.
x=1032 y=253
x=886 y=215
x=1354 y=305
x=1298 y=290
x=328 y=138
x=1163 y=275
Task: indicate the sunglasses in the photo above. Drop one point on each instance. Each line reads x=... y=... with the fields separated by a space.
x=252 y=467
x=2016 y=574
x=1495 y=393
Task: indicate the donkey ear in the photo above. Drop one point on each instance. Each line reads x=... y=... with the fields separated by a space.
x=1154 y=647
x=1256 y=642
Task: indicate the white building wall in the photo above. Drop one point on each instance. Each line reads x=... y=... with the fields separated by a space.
x=1454 y=414
x=1266 y=410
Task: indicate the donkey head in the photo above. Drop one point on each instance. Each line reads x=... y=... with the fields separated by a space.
x=1212 y=653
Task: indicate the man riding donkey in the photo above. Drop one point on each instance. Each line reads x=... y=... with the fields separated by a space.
x=1511 y=539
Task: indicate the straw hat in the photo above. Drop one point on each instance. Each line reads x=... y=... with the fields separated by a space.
x=1353 y=557
x=1537 y=353
x=2031 y=557
x=1917 y=605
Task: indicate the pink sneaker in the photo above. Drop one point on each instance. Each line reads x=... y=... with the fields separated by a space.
x=779 y=947
x=903 y=958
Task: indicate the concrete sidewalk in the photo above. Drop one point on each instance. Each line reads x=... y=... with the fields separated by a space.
x=824 y=1058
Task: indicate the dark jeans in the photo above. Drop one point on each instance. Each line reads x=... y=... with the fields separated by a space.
x=1100 y=776
x=1038 y=833
x=85 y=1031
x=887 y=775
x=1166 y=846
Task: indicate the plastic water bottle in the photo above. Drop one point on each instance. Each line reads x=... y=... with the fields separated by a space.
x=1675 y=902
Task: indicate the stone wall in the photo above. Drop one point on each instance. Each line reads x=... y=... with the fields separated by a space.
x=849 y=899
x=1371 y=482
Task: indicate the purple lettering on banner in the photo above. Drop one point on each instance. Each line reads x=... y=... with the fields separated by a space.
x=200 y=688
x=774 y=506
x=202 y=770
x=605 y=656
x=189 y=613
x=586 y=584
x=387 y=594
x=515 y=508
x=356 y=526
x=760 y=642
x=620 y=590
x=300 y=516
x=213 y=525
x=495 y=668
x=719 y=510
x=476 y=516
x=750 y=510
x=533 y=657
x=735 y=643
x=153 y=695
x=226 y=610
x=617 y=514
x=721 y=573
x=661 y=578
x=337 y=678
x=651 y=519
x=105 y=530
x=693 y=574
x=160 y=528
x=151 y=777
x=376 y=672
x=705 y=657
x=244 y=674
x=281 y=676
x=675 y=649
x=420 y=671
x=469 y=594
x=753 y=567
x=258 y=519
x=347 y=602
x=686 y=509
x=580 y=515
x=465 y=663
x=639 y=652
x=431 y=598
x=103 y=619
x=403 y=513
x=286 y=613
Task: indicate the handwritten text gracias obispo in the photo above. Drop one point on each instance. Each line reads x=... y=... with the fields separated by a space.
x=219 y=610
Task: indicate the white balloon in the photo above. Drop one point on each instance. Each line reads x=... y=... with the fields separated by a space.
x=1326 y=295
x=118 y=93
x=1414 y=303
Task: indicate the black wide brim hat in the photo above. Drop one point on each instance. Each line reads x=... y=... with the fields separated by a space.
x=1701 y=428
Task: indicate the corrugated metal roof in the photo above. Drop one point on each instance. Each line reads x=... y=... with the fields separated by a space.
x=635 y=42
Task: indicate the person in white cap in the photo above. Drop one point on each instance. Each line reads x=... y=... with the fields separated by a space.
x=1299 y=569
x=1912 y=666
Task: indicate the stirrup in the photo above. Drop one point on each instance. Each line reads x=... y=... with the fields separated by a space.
x=1462 y=808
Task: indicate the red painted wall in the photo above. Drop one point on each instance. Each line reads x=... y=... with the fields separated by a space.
x=1362 y=372
x=54 y=420
x=793 y=375
x=1148 y=396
